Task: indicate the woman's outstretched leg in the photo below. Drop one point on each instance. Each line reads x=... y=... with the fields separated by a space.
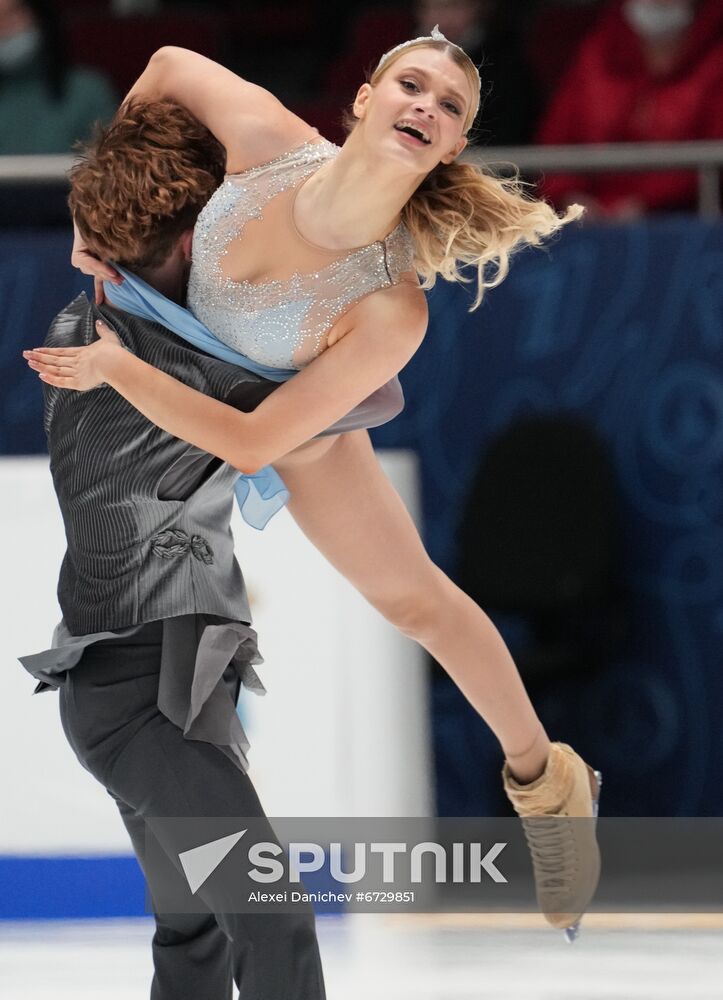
x=344 y=503
x=346 y=506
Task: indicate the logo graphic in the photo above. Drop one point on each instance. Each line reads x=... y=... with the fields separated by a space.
x=201 y=862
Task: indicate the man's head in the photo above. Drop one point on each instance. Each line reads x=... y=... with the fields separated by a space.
x=142 y=181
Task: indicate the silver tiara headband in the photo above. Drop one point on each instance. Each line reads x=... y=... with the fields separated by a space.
x=435 y=35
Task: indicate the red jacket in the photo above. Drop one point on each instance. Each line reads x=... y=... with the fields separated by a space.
x=608 y=95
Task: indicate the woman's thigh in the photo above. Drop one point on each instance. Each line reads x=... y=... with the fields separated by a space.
x=310 y=451
x=347 y=507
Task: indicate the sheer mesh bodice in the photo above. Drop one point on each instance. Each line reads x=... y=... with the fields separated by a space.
x=285 y=321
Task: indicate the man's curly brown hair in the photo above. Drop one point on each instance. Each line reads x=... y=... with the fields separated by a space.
x=142 y=181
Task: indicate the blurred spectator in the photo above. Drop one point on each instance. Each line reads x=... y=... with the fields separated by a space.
x=124 y=8
x=490 y=32
x=485 y=28
x=651 y=71
x=276 y=45
x=368 y=34
x=45 y=104
x=553 y=35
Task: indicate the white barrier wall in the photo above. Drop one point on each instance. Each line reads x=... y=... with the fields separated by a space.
x=342 y=731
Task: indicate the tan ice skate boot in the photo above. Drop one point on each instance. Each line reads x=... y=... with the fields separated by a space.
x=565 y=853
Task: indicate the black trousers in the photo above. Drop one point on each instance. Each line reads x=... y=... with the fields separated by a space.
x=109 y=714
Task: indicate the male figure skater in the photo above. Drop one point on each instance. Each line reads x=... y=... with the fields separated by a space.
x=155 y=638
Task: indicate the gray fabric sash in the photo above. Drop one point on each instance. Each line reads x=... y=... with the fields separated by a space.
x=192 y=693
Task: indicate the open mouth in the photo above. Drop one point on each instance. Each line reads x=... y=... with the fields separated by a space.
x=414 y=132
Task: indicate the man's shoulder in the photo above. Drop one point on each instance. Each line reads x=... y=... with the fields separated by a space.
x=159 y=346
x=73 y=324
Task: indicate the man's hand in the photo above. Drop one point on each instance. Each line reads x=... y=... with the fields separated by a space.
x=79 y=368
x=88 y=263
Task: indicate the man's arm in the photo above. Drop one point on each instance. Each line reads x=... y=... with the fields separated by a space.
x=247 y=120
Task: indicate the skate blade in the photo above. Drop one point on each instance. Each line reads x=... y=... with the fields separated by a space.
x=596 y=801
x=573 y=931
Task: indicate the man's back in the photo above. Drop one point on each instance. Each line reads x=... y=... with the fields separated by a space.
x=146 y=515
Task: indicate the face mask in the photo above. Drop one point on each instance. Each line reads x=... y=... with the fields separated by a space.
x=652 y=20
x=16 y=50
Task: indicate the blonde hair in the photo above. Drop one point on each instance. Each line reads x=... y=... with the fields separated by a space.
x=463 y=215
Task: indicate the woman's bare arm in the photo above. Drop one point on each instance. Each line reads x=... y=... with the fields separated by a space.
x=247 y=120
x=386 y=329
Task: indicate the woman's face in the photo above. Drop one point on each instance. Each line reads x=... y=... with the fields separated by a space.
x=417 y=109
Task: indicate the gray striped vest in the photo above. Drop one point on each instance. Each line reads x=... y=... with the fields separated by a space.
x=131 y=556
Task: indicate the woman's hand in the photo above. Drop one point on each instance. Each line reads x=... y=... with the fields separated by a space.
x=88 y=263
x=79 y=368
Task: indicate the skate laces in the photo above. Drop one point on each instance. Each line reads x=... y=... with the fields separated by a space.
x=553 y=851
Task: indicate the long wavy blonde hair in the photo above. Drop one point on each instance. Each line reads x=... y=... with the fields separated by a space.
x=462 y=214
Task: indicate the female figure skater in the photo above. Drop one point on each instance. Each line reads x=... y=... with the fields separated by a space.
x=306 y=259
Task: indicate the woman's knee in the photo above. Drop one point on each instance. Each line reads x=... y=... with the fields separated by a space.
x=416 y=606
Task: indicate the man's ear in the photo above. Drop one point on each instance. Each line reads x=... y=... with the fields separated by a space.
x=454 y=153
x=186 y=242
x=362 y=99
